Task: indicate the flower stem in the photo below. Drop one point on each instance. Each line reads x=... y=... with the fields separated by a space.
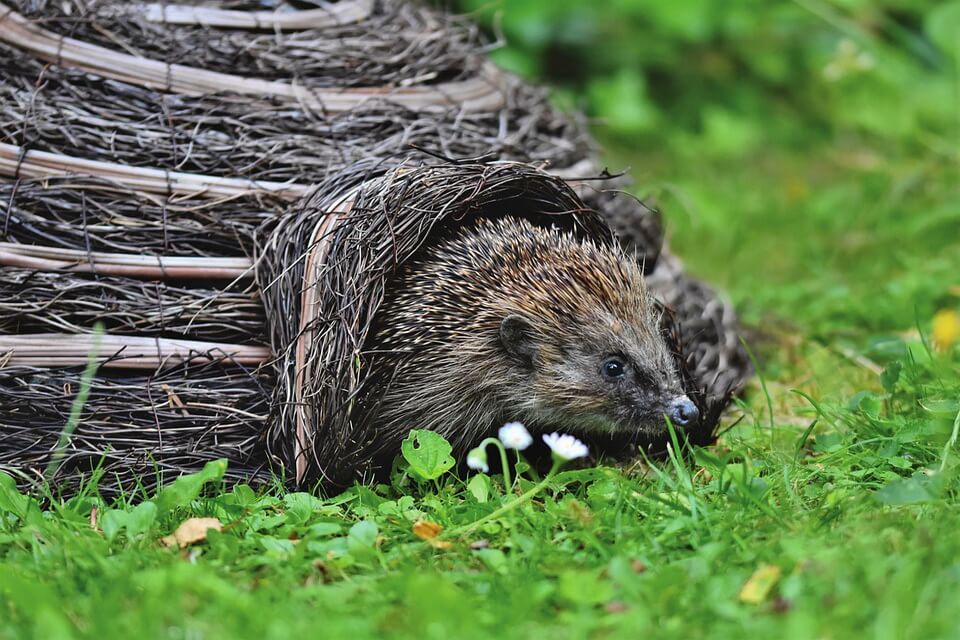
x=507 y=479
x=516 y=502
x=531 y=471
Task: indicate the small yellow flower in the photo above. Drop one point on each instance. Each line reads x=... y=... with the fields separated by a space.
x=946 y=329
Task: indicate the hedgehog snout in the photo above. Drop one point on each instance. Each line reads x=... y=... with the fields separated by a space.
x=682 y=411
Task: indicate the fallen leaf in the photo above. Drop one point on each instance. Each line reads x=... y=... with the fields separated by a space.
x=426 y=530
x=756 y=589
x=191 y=531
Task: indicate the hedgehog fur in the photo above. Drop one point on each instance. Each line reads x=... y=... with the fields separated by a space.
x=506 y=320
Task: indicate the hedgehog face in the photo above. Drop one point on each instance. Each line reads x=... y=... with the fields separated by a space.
x=627 y=392
x=618 y=377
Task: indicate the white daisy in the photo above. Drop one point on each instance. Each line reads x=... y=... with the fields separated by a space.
x=514 y=435
x=565 y=446
x=477 y=459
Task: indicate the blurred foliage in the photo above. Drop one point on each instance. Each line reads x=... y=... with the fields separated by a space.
x=738 y=72
x=805 y=153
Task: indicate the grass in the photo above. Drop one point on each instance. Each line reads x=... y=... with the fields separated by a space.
x=829 y=511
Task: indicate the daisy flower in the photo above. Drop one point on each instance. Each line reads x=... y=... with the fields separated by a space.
x=477 y=459
x=565 y=446
x=514 y=435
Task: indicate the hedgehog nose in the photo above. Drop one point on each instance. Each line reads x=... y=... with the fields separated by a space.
x=682 y=412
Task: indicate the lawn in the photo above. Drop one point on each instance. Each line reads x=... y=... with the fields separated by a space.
x=828 y=208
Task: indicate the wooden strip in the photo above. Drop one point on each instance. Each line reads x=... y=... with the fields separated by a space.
x=483 y=92
x=339 y=13
x=124 y=264
x=14 y=162
x=318 y=247
x=42 y=164
x=121 y=352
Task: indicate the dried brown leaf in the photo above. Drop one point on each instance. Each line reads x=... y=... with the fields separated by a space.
x=191 y=531
x=426 y=530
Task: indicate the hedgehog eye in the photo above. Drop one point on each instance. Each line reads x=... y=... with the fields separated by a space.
x=613 y=368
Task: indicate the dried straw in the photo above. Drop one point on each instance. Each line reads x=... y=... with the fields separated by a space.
x=481 y=91
x=69 y=113
x=396 y=44
x=136 y=429
x=41 y=302
x=93 y=214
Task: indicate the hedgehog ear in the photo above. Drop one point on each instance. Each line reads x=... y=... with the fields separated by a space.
x=516 y=334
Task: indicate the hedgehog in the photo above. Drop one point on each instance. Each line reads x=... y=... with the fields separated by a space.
x=506 y=320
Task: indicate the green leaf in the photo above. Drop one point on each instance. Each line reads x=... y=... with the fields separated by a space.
x=890 y=375
x=136 y=522
x=243 y=496
x=112 y=523
x=427 y=453
x=603 y=492
x=827 y=443
x=364 y=533
x=362 y=538
x=276 y=546
x=479 y=487
x=866 y=402
x=301 y=506
x=141 y=519
x=913 y=490
x=899 y=462
x=12 y=501
x=185 y=489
